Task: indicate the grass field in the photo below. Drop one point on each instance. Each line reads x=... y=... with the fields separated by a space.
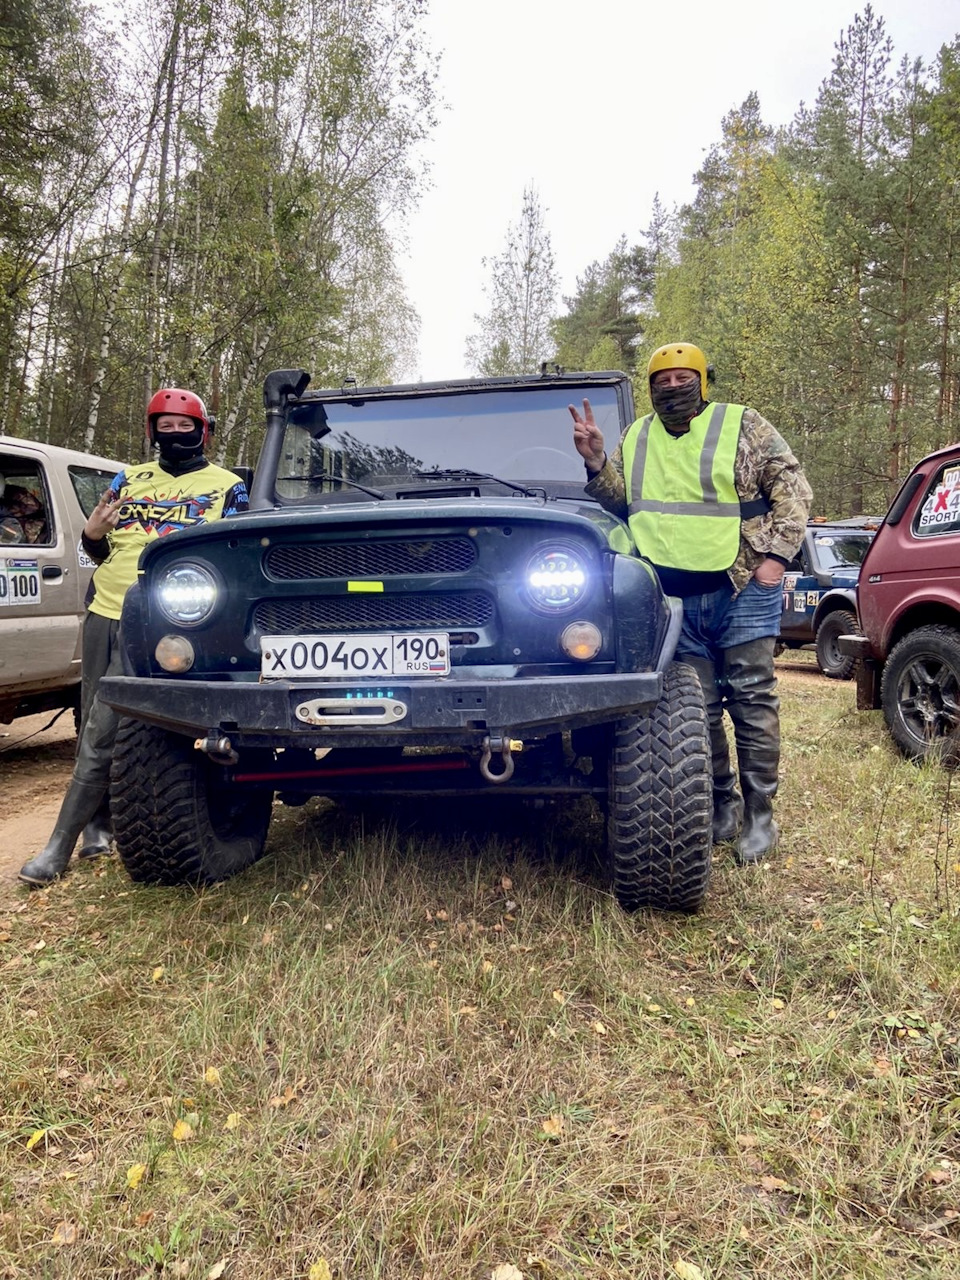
x=414 y=1052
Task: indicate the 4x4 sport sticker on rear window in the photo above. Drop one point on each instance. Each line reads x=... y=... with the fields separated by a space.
x=941 y=509
x=19 y=581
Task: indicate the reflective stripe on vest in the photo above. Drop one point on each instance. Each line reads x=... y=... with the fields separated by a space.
x=683 y=507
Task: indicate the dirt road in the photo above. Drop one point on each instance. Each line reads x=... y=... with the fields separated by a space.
x=35 y=768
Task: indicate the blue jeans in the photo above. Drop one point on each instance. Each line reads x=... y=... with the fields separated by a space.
x=718 y=621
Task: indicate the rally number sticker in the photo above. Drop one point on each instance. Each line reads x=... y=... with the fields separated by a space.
x=19 y=581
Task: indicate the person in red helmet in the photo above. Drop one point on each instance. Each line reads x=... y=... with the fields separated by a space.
x=176 y=489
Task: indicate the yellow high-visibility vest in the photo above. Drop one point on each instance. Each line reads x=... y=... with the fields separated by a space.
x=683 y=507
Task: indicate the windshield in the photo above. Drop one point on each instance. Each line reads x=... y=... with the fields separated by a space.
x=841 y=550
x=519 y=434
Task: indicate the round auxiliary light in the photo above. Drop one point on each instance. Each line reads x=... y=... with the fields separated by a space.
x=175 y=653
x=187 y=593
x=556 y=579
x=581 y=641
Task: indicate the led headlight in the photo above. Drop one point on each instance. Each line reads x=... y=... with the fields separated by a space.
x=187 y=593
x=556 y=579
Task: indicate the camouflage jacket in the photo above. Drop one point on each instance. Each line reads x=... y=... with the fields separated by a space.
x=765 y=465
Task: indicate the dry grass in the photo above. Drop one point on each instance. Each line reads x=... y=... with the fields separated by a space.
x=443 y=1053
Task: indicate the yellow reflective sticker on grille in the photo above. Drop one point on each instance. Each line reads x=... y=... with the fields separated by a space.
x=365 y=586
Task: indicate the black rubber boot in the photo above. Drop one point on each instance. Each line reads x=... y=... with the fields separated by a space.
x=758 y=777
x=79 y=805
x=98 y=832
x=750 y=687
x=727 y=803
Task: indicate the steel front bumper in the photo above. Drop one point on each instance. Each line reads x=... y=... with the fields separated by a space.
x=418 y=713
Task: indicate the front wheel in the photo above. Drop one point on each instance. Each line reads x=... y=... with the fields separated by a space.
x=176 y=818
x=833 y=663
x=660 y=800
x=920 y=694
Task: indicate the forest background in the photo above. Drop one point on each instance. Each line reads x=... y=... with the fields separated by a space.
x=210 y=189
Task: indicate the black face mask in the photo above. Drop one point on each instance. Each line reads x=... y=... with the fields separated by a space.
x=178 y=446
x=675 y=406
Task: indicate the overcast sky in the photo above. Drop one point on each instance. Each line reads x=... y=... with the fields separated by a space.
x=600 y=105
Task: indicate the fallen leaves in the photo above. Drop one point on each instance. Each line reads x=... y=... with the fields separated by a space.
x=65 y=1233
x=135 y=1175
x=283 y=1099
x=506 y=1271
x=778 y=1184
x=37 y=1136
x=553 y=1126
x=232 y=1121
x=320 y=1270
x=211 y=1076
x=687 y=1270
x=182 y=1132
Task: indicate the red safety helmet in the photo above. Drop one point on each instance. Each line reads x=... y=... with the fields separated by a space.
x=176 y=400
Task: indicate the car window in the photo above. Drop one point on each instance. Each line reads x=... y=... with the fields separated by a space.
x=88 y=484
x=940 y=510
x=841 y=550
x=25 y=502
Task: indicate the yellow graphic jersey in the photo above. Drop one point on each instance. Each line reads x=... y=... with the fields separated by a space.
x=154 y=505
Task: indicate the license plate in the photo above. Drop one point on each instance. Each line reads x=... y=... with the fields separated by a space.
x=346 y=657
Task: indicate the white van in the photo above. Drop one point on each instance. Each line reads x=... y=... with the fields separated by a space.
x=46 y=494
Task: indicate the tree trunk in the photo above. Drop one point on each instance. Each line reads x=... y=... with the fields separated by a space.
x=252 y=368
x=115 y=283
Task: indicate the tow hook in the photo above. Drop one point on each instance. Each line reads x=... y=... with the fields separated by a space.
x=218 y=747
x=506 y=747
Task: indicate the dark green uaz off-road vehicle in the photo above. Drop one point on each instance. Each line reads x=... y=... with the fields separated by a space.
x=420 y=601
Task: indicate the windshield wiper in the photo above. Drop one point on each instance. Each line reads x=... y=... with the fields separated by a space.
x=328 y=475
x=461 y=474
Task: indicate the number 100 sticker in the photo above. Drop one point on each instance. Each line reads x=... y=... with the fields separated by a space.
x=19 y=582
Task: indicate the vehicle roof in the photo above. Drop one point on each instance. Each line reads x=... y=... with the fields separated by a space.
x=937 y=454
x=348 y=391
x=849 y=522
x=56 y=453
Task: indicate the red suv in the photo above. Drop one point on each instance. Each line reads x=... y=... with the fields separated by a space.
x=908 y=602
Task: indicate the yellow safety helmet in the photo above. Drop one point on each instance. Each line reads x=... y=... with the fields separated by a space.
x=680 y=355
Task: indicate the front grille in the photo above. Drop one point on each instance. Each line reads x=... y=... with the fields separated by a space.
x=383 y=558
x=374 y=612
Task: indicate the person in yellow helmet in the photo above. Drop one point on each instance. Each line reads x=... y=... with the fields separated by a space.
x=718 y=503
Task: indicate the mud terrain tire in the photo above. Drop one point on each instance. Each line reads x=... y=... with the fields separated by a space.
x=174 y=821
x=660 y=801
x=833 y=663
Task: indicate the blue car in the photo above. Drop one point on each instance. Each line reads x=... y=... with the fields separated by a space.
x=819 y=590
